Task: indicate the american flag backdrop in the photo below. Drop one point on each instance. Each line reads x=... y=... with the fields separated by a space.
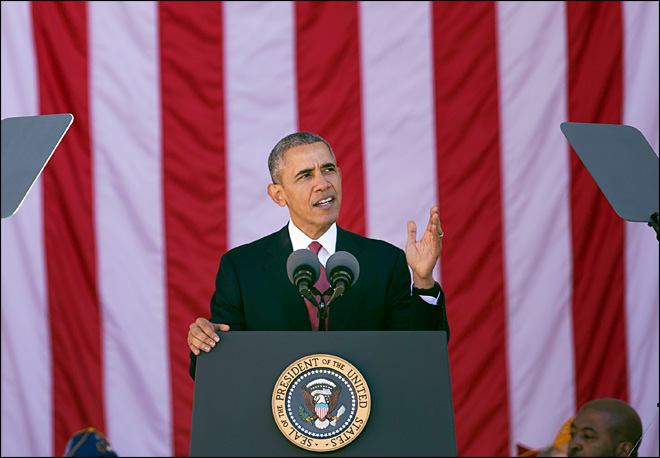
x=552 y=298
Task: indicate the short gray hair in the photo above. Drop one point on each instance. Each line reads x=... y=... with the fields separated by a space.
x=276 y=157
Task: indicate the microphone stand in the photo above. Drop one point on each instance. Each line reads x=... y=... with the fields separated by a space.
x=323 y=313
x=323 y=309
x=310 y=295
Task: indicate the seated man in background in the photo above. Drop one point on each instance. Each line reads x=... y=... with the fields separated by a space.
x=605 y=427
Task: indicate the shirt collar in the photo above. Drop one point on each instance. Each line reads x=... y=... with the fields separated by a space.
x=300 y=240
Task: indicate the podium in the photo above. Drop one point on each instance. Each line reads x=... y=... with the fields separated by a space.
x=407 y=374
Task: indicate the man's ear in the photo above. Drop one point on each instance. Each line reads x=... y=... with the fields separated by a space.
x=623 y=448
x=276 y=193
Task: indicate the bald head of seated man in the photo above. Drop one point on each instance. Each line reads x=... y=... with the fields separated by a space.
x=605 y=427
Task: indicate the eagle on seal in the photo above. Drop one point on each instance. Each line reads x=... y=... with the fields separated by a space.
x=321 y=398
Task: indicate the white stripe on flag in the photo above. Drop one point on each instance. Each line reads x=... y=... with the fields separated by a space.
x=27 y=404
x=126 y=152
x=641 y=81
x=399 y=139
x=261 y=109
x=535 y=171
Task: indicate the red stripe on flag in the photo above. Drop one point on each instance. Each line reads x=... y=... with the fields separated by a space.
x=194 y=180
x=60 y=32
x=469 y=196
x=329 y=95
x=595 y=96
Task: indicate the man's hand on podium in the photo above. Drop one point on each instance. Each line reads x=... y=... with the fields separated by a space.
x=202 y=335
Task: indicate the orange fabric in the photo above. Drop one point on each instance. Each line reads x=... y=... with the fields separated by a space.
x=563 y=436
x=524 y=451
x=560 y=442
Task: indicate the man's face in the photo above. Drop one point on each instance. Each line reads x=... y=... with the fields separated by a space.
x=310 y=187
x=590 y=435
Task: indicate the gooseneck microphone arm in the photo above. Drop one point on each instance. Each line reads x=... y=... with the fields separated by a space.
x=303 y=269
x=342 y=270
x=303 y=282
x=322 y=308
x=322 y=313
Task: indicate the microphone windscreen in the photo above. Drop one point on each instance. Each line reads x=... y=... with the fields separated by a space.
x=342 y=260
x=303 y=259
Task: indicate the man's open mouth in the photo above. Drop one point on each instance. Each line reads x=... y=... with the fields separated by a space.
x=323 y=202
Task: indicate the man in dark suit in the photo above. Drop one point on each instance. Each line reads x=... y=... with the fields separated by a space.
x=253 y=291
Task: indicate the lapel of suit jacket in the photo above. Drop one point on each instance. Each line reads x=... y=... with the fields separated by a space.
x=285 y=294
x=341 y=310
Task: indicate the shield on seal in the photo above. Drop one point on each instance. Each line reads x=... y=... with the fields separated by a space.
x=321 y=410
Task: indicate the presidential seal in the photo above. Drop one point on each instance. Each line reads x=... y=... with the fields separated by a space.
x=321 y=403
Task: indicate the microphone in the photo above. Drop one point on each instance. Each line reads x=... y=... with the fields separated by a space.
x=303 y=269
x=342 y=270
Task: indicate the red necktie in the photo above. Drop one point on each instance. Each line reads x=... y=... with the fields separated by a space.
x=321 y=284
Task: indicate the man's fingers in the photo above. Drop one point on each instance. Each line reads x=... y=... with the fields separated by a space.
x=198 y=338
x=412 y=232
x=204 y=331
x=220 y=327
x=196 y=344
x=207 y=327
x=202 y=335
x=434 y=222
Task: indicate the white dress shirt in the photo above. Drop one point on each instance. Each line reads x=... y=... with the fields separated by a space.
x=299 y=241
